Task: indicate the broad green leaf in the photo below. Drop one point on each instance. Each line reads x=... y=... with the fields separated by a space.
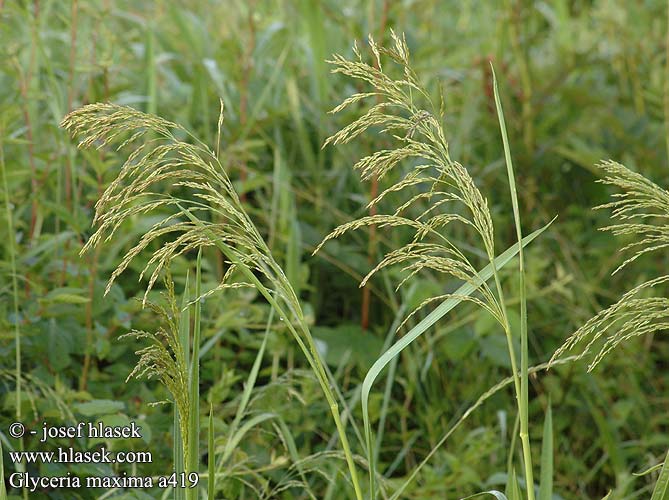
x=98 y=407
x=66 y=295
x=60 y=344
x=497 y=494
x=351 y=337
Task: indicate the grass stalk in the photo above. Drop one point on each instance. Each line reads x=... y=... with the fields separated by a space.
x=194 y=375
x=237 y=238
x=25 y=84
x=3 y=490
x=524 y=364
x=15 y=295
x=15 y=287
x=440 y=311
x=374 y=181
x=178 y=450
x=309 y=349
x=211 y=479
x=482 y=399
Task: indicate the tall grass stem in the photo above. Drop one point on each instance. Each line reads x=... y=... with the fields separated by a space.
x=524 y=364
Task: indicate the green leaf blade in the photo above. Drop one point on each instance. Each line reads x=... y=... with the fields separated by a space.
x=434 y=316
x=661 y=490
x=546 y=478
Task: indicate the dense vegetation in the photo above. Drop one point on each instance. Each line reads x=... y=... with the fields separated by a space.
x=234 y=193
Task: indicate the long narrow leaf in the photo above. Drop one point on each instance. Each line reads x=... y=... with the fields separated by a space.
x=246 y=394
x=3 y=491
x=194 y=424
x=523 y=402
x=211 y=480
x=439 y=312
x=546 y=479
x=289 y=442
x=661 y=490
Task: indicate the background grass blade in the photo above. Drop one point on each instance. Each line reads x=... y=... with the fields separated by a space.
x=512 y=486
x=194 y=372
x=661 y=490
x=546 y=479
x=523 y=403
x=246 y=394
x=11 y=250
x=3 y=490
x=211 y=467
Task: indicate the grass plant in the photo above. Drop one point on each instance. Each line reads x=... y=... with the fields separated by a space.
x=399 y=112
x=168 y=159
x=428 y=390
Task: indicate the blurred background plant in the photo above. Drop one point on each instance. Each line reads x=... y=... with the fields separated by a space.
x=581 y=81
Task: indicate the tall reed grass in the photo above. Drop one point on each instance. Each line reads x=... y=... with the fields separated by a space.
x=405 y=111
x=212 y=216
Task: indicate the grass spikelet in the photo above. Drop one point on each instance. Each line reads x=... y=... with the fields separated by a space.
x=640 y=201
x=168 y=160
x=408 y=115
x=165 y=359
x=206 y=212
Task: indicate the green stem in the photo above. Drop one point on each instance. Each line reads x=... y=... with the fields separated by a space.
x=310 y=352
x=15 y=288
x=15 y=291
x=523 y=402
x=194 y=416
x=211 y=480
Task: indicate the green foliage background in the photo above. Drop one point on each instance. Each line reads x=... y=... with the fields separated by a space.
x=581 y=82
